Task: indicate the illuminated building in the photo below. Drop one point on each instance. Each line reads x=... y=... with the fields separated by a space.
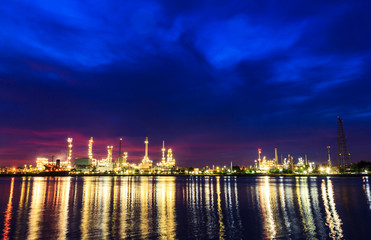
x=343 y=154
x=40 y=163
x=90 y=152
x=69 y=151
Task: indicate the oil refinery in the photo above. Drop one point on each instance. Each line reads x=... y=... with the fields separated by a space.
x=90 y=164
x=286 y=164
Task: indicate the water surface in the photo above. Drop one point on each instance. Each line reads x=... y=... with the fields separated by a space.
x=131 y=207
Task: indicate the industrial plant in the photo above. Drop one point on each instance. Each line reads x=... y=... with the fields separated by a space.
x=119 y=165
x=287 y=164
x=278 y=164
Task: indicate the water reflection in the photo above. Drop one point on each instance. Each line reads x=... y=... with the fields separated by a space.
x=315 y=205
x=333 y=220
x=23 y=207
x=165 y=200
x=62 y=205
x=220 y=213
x=8 y=212
x=180 y=208
x=37 y=201
x=266 y=209
x=292 y=207
x=366 y=188
x=305 y=207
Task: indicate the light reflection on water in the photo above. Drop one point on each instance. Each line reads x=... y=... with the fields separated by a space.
x=333 y=220
x=366 y=188
x=184 y=207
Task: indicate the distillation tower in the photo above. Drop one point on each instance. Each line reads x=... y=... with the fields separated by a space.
x=343 y=154
x=146 y=163
x=90 y=152
x=163 y=160
x=69 y=151
x=109 y=154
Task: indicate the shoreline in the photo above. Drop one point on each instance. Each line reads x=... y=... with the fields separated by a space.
x=184 y=175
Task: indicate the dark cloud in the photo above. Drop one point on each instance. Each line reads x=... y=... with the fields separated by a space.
x=216 y=79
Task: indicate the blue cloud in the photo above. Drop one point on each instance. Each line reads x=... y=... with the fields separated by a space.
x=251 y=70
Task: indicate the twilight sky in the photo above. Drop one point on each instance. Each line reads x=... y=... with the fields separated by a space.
x=215 y=79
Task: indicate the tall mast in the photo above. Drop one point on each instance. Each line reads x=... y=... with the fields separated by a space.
x=120 y=147
x=343 y=154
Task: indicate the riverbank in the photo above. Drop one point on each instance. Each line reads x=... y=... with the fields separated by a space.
x=179 y=175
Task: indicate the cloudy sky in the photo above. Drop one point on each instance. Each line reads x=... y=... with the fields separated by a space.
x=215 y=79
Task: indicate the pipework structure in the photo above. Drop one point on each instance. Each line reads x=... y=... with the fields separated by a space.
x=343 y=154
x=69 y=151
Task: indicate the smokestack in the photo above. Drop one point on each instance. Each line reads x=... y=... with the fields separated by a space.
x=276 y=156
x=120 y=147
